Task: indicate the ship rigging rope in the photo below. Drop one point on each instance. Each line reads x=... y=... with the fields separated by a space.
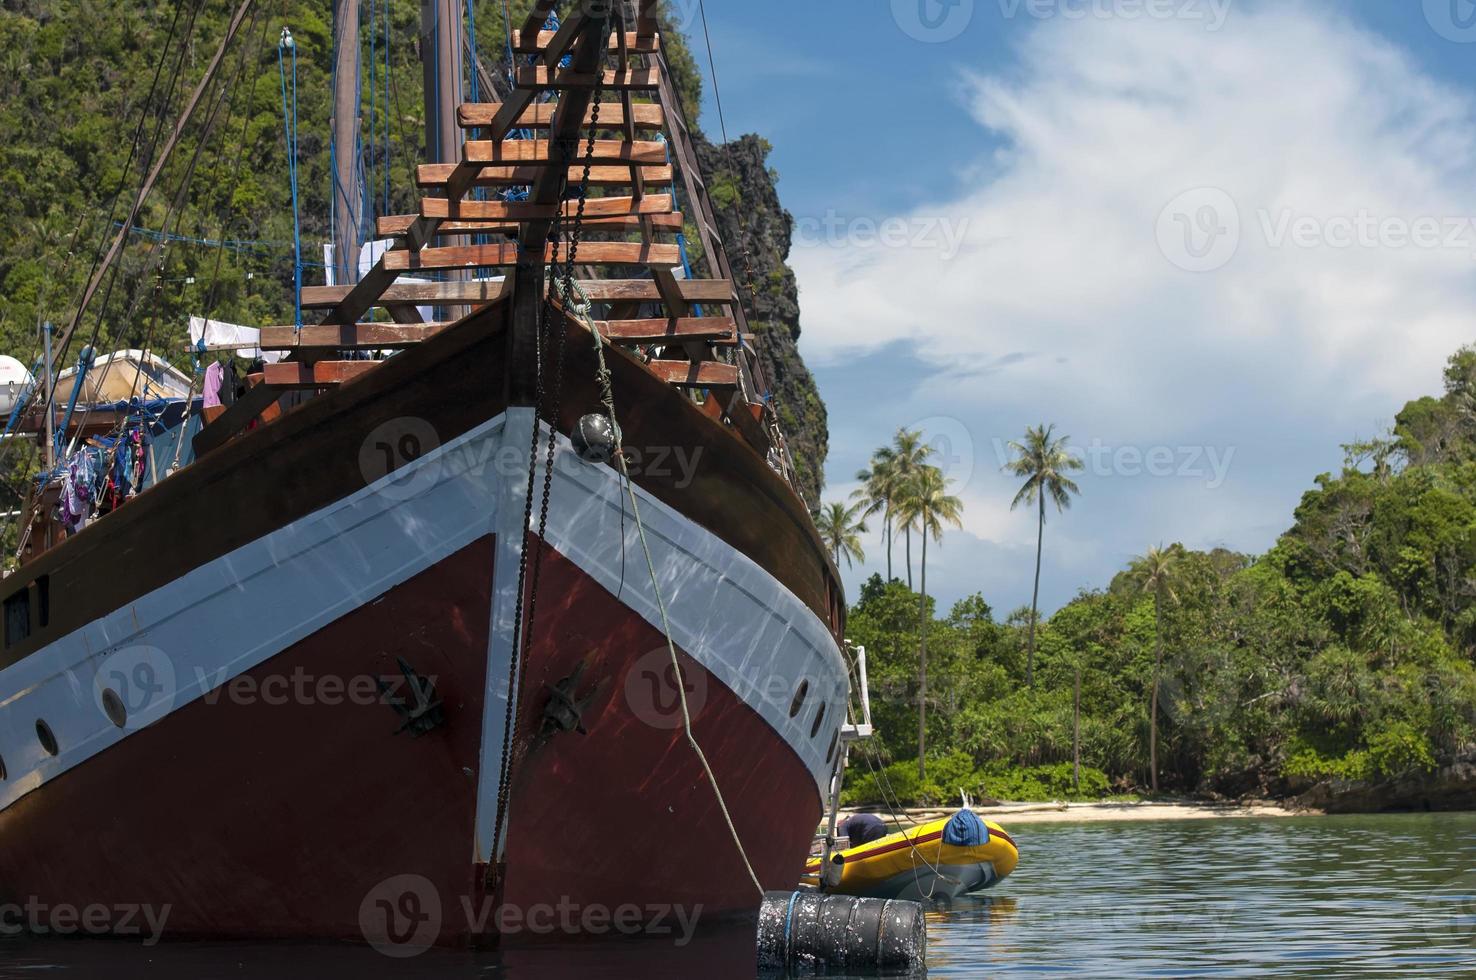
x=581 y=308
x=175 y=212
x=161 y=158
x=289 y=132
x=213 y=296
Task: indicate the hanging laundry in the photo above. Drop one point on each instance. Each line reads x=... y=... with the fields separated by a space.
x=214 y=375
x=78 y=490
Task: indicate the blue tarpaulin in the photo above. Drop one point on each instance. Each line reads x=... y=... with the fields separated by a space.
x=965 y=830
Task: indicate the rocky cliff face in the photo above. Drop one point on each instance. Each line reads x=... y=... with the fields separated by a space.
x=757 y=231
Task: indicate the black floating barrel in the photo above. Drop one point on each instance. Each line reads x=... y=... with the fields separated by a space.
x=812 y=932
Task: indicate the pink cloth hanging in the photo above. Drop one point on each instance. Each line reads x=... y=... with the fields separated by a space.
x=214 y=374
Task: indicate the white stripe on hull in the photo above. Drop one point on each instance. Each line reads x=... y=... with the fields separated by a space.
x=235 y=612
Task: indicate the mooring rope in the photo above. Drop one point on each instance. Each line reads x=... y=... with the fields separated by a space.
x=580 y=306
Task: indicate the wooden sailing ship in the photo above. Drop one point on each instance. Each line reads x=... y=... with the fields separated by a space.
x=178 y=719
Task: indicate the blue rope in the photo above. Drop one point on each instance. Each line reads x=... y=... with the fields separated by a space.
x=471 y=46
x=681 y=236
x=788 y=922
x=386 y=107
x=373 y=96
x=289 y=129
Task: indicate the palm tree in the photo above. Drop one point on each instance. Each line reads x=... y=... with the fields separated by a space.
x=909 y=454
x=1044 y=461
x=841 y=528
x=1153 y=573
x=926 y=504
x=878 y=492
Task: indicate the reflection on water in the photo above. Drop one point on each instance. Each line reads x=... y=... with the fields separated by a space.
x=1376 y=896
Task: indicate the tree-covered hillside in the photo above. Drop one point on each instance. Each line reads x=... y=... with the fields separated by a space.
x=1340 y=662
x=92 y=89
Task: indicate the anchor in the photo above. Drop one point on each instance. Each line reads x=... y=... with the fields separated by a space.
x=563 y=711
x=425 y=712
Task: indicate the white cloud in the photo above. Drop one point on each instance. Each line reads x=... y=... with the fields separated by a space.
x=1063 y=305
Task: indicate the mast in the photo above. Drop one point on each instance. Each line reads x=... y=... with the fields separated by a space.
x=440 y=44
x=440 y=40
x=347 y=199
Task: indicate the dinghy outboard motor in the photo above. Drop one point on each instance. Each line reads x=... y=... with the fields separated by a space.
x=812 y=931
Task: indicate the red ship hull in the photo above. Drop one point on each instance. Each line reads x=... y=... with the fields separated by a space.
x=257 y=786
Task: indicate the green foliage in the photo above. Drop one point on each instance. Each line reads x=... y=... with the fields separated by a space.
x=1345 y=652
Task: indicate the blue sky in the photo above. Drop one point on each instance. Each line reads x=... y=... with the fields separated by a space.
x=1210 y=239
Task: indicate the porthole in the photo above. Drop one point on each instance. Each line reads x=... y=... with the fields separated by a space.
x=47 y=737
x=819 y=720
x=113 y=705
x=834 y=741
x=799 y=698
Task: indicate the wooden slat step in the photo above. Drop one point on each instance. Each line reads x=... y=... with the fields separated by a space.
x=617 y=80
x=646 y=116
x=434 y=175
x=392 y=226
x=354 y=336
x=635 y=43
x=506 y=254
x=514 y=152
x=323 y=374
x=594 y=207
x=718 y=291
x=709 y=291
x=713 y=329
x=695 y=374
x=413 y=294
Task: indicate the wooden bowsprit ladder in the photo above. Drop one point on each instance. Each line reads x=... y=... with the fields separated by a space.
x=630 y=219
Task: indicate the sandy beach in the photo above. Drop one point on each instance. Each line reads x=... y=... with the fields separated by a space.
x=1106 y=812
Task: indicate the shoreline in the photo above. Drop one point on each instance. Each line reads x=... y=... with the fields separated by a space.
x=1106 y=811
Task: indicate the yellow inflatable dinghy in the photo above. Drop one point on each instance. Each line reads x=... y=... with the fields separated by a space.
x=940 y=859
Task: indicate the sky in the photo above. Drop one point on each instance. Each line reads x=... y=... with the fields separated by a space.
x=1209 y=240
